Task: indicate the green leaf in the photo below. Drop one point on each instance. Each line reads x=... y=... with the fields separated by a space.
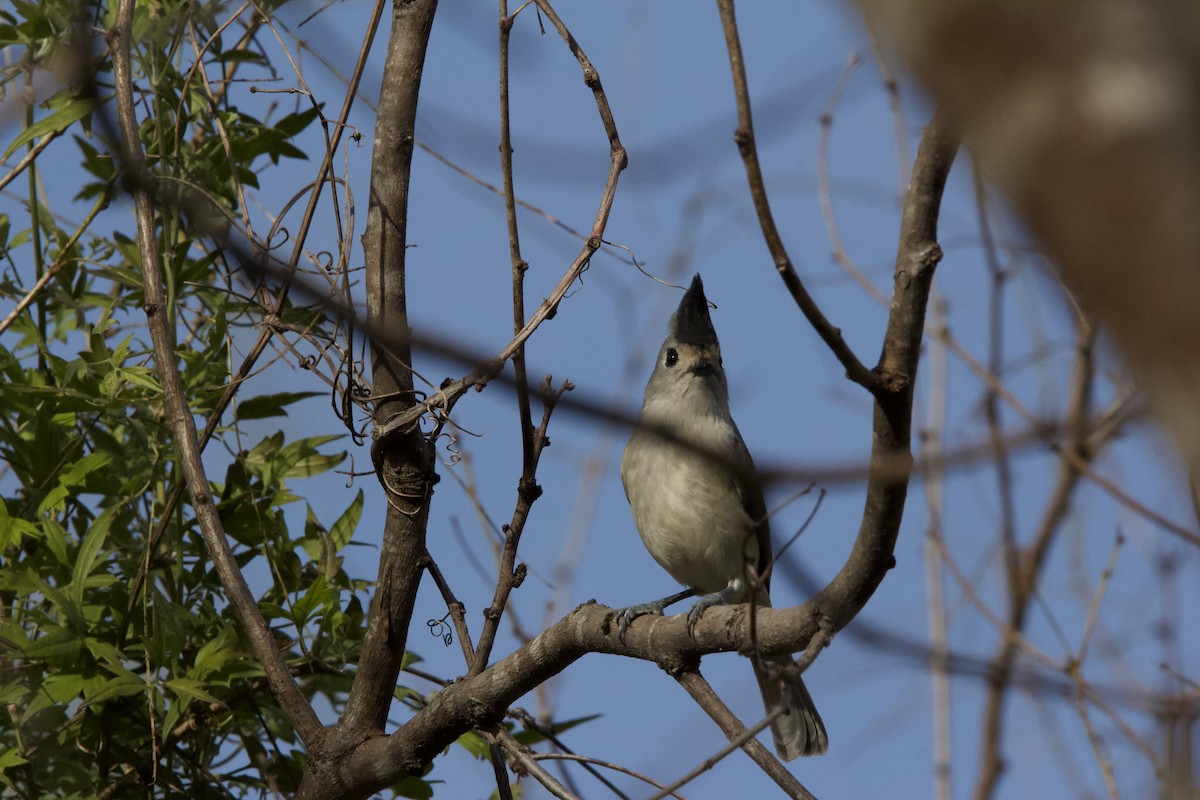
x=89 y=552
x=293 y=124
x=72 y=478
x=63 y=687
x=344 y=528
x=191 y=689
x=215 y=653
x=271 y=405
x=124 y=685
x=474 y=744
x=414 y=787
x=8 y=760
x=529 y=737
x=12 y=529
x=57 y=644
x=70 y=113
x=102 y=651
x=304 y=461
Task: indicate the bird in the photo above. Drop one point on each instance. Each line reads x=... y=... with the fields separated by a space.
x=699 y=507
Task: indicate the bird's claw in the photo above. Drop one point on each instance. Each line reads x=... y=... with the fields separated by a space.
x=697 y=610
x=724 y=597
x=628 y=615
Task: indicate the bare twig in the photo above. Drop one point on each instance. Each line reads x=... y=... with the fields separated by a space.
x=59 y=263
x=489 y=370
x=511 y=575
x=589 y=761
x=744 y=137
x=29 y=157
x=454 y=606
x=528 y=760
x=700 y=690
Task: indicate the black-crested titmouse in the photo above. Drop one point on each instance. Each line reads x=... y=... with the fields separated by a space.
x=703 y=518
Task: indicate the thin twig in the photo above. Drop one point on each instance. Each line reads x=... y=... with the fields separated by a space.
x=700 y=690
x=490 y=369
x=522 y=755
x=716 y=757
x=530 y=722
x=588 y=760
x=454 y=606
x=744 y=137
x=29 y=157
x=61 y=261
x=510 y=574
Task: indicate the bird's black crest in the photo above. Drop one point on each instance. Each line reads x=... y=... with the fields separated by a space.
x=691 y=323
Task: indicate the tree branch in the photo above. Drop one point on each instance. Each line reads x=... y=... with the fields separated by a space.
x=488 y=370
x=744 y=137
x=404 y=461
x=702 y=692
x=887 y=485
x=140 y=183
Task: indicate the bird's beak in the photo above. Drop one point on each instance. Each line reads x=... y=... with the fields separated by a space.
x=704 y=365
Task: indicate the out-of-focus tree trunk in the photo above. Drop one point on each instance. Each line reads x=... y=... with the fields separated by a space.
x=1086 y=113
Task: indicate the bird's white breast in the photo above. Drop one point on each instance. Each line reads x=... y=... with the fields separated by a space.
x=686 y=506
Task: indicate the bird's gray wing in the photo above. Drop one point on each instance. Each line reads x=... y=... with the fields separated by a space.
x=749 y=490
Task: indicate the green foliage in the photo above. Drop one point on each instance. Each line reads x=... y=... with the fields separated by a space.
x=122 y=670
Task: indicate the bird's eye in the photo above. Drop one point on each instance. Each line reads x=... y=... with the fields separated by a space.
x=672 y=357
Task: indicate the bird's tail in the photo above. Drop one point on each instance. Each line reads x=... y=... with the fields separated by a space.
x=798 y=731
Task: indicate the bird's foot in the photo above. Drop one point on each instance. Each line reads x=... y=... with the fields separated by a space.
x=628 y=615
x=730 y=594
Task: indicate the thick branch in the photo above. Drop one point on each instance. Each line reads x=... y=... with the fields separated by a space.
x=887 y=486
x=479 y=701
x=403 y=460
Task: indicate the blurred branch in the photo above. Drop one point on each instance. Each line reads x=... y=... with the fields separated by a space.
x=1085 y=113
x=931 y=441
x=1025 y=563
